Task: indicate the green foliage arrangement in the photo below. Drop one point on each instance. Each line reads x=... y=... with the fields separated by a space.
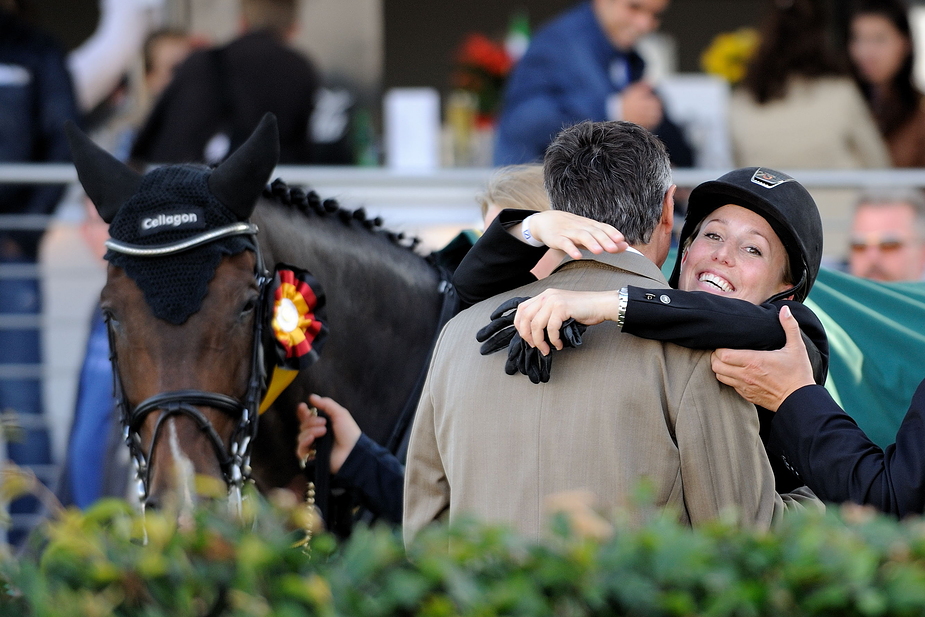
x=110 y=561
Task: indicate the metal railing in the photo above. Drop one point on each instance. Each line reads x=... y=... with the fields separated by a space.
x=454 y=178
x=450 y=189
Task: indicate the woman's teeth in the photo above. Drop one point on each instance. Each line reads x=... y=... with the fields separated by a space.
x=721 y=283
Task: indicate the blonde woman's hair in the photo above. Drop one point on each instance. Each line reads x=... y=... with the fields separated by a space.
x=515 y=186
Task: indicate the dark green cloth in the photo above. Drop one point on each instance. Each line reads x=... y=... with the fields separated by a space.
x=877 y=343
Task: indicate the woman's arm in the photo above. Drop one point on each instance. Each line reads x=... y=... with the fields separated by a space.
x=502 y=258
x=497 y=262
x=700 y=320
x=825 y=446
x=688 y=318
x=839 y=462
x=355 y=458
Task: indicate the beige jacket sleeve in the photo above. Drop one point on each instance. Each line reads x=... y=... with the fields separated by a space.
x=800 y=499
x=724 y=467
x=865 y=137
x=427 y=491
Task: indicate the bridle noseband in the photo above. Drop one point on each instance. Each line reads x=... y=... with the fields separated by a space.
x=234 y=461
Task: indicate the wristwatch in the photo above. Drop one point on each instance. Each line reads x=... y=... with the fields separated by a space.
x=622 y=300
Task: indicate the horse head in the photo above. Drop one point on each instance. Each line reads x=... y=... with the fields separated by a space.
x=183 y=305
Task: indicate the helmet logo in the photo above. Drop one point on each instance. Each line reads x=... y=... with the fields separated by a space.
x=769 y=179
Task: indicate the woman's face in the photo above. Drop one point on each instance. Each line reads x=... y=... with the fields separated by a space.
x=735 y=254
x=877 y=48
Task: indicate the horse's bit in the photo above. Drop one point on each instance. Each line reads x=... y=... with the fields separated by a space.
x=234 y=461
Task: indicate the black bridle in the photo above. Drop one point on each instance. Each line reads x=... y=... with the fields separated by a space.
x=234 y=461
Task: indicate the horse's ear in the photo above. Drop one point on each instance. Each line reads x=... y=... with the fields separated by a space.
x=241 y=178
x=107 y=181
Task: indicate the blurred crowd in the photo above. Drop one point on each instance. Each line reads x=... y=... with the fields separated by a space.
x=152 y=95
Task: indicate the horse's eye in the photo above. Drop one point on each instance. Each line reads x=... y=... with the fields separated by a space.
x=249 y=306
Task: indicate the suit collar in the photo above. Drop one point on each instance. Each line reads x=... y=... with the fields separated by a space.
x=628 y=260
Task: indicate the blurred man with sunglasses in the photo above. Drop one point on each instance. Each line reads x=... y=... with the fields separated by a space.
x=888 y=237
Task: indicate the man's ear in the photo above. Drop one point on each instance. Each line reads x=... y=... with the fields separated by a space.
x=668 y=207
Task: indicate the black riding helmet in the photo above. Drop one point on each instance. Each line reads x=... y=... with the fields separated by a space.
x=782 y=201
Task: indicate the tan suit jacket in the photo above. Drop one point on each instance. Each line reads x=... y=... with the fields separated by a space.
x=618 y=410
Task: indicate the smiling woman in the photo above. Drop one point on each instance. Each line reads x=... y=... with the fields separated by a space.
x=751 y=239
x=753 y=243
x=735 y=253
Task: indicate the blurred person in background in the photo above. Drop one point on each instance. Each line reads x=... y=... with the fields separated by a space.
x=888 y=236
x=509 y=187
x=513 y=186
x=163 y=52
x=114 y=123
x=99 y=63
x=797 y=108
x=519 y=187
x=36 y=98
x=583 y=65
x=218 y=95
x=881 y=50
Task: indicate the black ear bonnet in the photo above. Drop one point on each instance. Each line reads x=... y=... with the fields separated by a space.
x=175 y=203
x=782 y=201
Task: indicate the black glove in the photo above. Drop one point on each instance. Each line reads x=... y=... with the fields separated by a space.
x=531 y=362
x=527 y=360
x=571 y=333
x=498 y=333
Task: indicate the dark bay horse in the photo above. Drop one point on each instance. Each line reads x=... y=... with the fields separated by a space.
x=188 y=316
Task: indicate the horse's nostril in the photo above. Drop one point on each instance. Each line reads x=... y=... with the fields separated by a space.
x=152 y=504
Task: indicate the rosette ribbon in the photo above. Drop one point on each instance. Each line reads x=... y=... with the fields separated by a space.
x=298 y=324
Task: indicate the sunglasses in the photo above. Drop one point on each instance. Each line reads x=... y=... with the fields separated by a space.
x=886 y=244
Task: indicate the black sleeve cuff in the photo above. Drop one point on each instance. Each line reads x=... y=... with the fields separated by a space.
x=378 y=475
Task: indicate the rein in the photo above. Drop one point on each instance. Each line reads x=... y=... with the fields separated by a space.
x=234 y=461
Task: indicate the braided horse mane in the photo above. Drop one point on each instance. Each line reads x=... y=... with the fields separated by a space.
x=309 y=203
x=383 y=309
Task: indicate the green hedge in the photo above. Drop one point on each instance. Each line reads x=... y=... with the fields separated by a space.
x=847 y=562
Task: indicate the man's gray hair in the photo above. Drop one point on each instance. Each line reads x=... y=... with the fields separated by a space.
x=613 y=172
x=885 y=197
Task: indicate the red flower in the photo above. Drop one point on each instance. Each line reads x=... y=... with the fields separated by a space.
x=482 y=65
x=478 y=51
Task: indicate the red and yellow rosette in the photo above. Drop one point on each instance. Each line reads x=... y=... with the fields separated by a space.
x=296 y=306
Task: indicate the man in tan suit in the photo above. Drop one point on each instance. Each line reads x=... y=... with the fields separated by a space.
x=620 y=411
